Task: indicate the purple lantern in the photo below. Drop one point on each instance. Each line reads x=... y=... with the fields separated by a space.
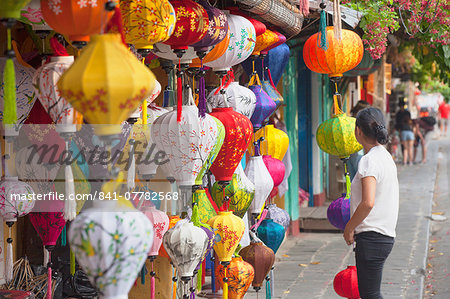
x=217 y=30
x=338 y=212
x=278 y=215
x=265 y=106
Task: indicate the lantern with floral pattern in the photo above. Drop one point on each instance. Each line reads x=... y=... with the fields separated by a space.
x=240 y=98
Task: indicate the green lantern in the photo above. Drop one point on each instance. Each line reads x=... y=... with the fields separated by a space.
x=10 y=9
x=240 y=191
x=205 y=207
x=212 y=156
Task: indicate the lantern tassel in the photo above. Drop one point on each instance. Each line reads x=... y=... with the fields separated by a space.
x=199 y=277
x=70 y=206
x=213 y=275
x=268 y=290
x=323 y=42
x=49 y=278
x=202 y=98
x=9 y=88
x=142 y=273
x=72 y=263
x=9 y=258
x=131 y=174
x=63 y=236
x=116 y=21
x=225 y=285
x=179 y=98
x=58 y=49
x=152 y=285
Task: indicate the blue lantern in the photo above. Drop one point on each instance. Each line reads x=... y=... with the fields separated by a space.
x=271 y=233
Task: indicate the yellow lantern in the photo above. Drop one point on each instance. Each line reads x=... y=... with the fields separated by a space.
x=275 y=144
x=264 y=40
x=106 y=83
x=229 y=230
x=147 y=22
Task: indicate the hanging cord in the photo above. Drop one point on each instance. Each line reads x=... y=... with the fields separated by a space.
x=9 y=79
x=337 y=24
x=213 y=274
x=152 y=280
x=179 y=91
x=70 y=205
x=322 y=40
x=174 y=279
x=421 y=18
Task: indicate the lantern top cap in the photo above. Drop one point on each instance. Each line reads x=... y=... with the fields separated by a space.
x=224 y=213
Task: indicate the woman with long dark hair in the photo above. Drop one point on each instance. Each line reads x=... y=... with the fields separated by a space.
x=374 y=203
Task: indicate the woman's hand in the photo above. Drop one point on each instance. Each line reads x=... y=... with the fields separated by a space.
x=349 y=234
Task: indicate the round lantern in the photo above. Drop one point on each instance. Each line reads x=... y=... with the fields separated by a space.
x=25 y=96
x=185 y=244
x=111 y=246
x=261 y=258
x=238 y=97
x=172 y=221
x=240 y=275
x=278 y=215
x=190 y=142
x=147 y=22
x=229 y=229
x=31 y=14
x=77 y=19
x=363 y=68
x=276 y=169
x=10 y=9
x=341 y=55
x=238 y=133
x=338 y=212
x=215 y=53
x=275 y=143
x=240 y=192
x=106 y=88
x=281 y=39
x=45 y=83
x=217 y=28
x=264 y=107
x=345 y=283
x=258 y=174
x=241 y=45
x=271 y=233
x=14 y=199
x=336 y=136
x=191 y=26
x=264 y=41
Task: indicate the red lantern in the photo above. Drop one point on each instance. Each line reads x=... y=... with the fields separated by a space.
x=238 y=134
x=346 y=283
x=191 y=26
x=340 y=56
x=77 y=19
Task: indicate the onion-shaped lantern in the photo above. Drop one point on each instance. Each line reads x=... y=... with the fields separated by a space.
x=96 y=88
x=338 y=212
x=271 y=233
x=264 y=41
x=241 y=45
x=261 y=258
x=340 y=56
x=265 y=105
x=172 y=221
x=278 y=58
x=276 y=169
x=240 y=275
x=238 y=133
x=238 y=97
x=345 y=283
x=147 y=22
x=278 y=215
x=206 y=209
x=111 y=246
x=281 y=39
x=275 y=143
x=31 y=14
x=258 y=174
x=215 y=52
x=77 y=19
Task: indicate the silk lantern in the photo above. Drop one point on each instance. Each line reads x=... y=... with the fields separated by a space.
x=185 y=244
x=258 y=174
x=238 y=133
x=165 y=51
x=10 y=9
x=15 y=202
x=272 y=92
x=214 y=53
x=271 y=233
x=260 y=27
x=241 y=45
x=277 y=61
x=77 y=19
x=31 y=14
x=240 y=275
x=275 y=143
x=240 y=193
x=363 y=68
x=106 y=88
x=340 y=56
x=147 y=22
x=276 y=169
x=111 y=245
x=345 y=283
x=261 y=258
x=238 y=97
x=338 y=212
x=205 y=208
x=278 y=215
x=264 y=107
x=281 y=39
x=172 y=221
x=264 y=41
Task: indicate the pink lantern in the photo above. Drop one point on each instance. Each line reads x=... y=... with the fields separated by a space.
x=276 y=169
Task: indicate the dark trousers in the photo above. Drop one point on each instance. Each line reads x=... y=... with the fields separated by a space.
x=372 y=250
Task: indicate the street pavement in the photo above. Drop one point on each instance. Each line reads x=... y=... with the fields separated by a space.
x=306 y=264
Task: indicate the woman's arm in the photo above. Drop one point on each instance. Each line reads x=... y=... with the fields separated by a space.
x=369 y=185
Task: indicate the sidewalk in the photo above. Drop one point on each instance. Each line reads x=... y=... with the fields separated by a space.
x=306 y=265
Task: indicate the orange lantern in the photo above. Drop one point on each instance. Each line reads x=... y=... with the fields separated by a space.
x=340 y=56
x=77 y=19
x=264 y=40
x=215 y=53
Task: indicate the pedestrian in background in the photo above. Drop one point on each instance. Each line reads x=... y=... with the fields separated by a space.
x=374 y=204
x=403 y=124
x=444 y=112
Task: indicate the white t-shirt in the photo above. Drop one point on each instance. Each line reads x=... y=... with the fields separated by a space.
x=379 y=164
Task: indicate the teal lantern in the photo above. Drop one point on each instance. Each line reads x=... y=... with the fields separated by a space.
x=271 y=233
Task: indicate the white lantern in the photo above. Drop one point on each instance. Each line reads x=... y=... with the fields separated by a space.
x=111 y=246
x=31 y=14
x=14 y=198
x=166 y=52
x=240 y=98
x=242 y=43
x=257 y=172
